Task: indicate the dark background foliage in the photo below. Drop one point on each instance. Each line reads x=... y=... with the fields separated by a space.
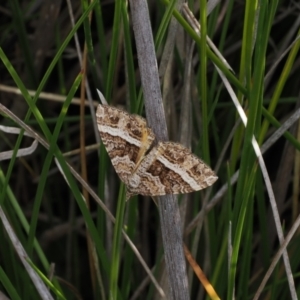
x=31 y=34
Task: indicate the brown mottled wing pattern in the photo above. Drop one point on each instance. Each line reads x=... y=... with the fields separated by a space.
x=126 y=138
x=170 y=168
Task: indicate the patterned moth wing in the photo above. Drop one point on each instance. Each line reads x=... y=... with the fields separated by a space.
x=126 y=138
x=170 y=168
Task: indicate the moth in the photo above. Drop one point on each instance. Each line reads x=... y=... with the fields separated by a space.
x=167 y=168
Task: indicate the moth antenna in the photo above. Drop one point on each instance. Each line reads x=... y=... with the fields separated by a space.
x=101 y=97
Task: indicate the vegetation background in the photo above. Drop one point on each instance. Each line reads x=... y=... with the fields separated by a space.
x=48 y=47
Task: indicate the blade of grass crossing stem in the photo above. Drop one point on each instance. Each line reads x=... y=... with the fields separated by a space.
x=24 y=92
x=22 y=281
x=245 y=76
x=277 y=124
x=8 y=261
x=262 y=39
x=61 y=160
x=86 y=214
x=248 y=157
x=255 y=110
x=255 y=101
x=46 y=280
x=22 y=220
x=230 y=76
x=47 y=163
